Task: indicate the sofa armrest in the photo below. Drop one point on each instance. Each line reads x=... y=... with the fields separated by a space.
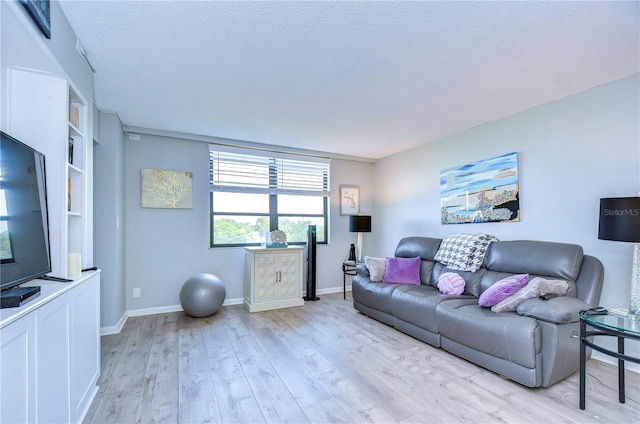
x=362 y=270
x=558 y=310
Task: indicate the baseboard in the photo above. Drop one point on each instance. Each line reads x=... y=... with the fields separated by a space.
x=231 y=302
x=105 y=331
x=89 y=400
x=331 y=290
x=154 y=311
x=115 y=329
x=628 y=366
x=175 y=308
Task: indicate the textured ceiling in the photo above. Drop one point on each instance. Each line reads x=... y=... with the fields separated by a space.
x=365 y=79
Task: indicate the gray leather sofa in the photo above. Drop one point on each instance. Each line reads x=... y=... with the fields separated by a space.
x=537 y=345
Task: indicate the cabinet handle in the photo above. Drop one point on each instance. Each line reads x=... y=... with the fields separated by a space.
x=279 y=276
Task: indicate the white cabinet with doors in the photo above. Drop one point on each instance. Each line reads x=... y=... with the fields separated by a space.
x=50 y=353
x=273 y=278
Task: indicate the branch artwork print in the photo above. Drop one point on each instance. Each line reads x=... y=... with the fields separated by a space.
x=349 y=200
x=166 y=189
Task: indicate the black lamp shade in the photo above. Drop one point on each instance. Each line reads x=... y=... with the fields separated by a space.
x=620 y=219
x=360 y=224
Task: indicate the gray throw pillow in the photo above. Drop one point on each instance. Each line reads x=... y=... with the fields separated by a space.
x=538 y=286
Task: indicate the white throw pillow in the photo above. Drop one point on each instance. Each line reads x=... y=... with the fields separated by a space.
x=376 y=267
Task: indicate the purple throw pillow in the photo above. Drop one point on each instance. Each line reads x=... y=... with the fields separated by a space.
x=402 y=270
x=502 y=289
x=451 y=283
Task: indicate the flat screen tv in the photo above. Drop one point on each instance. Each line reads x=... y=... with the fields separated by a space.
x=24 y=229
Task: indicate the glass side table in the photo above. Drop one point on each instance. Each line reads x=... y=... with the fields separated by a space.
x=622 y=327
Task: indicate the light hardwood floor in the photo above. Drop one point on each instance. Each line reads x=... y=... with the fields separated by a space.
x=321 y=363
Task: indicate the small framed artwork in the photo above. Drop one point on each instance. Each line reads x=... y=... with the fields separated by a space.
x=349 y=199
x=40 y=12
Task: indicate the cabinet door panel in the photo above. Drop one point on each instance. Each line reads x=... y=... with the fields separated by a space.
x=265 y=279
x=85 y=345
x=17 y=364
x=289 y=285
x=52 y=333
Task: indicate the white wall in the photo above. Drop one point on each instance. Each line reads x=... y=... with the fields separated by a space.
x=24 y=45
x=109 y=215
x=571 y=152
x=164 y=247
x=63 y=46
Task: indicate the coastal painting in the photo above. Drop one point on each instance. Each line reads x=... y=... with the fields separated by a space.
x=162 y=188
x=483 y=191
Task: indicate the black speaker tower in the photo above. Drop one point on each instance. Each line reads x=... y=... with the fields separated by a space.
x=311 y=264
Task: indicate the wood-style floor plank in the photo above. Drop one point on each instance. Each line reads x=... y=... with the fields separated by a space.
x=157 y=401
x=276 y=402
x=321 y=363
x=235 y=399
x=129 y=371
x=348 y=397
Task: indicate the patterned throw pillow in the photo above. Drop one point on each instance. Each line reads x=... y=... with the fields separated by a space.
x=502 y=289
x=376 y=268
x=464 y=252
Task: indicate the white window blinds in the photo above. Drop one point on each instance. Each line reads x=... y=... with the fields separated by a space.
x=273 y=174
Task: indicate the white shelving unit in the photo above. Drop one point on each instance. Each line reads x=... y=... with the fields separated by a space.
x=37 y=97
x=76 y=179
x=50 y=347
x=45 y=99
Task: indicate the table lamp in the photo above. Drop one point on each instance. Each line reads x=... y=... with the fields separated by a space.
x=359 y=224
x=620 y=221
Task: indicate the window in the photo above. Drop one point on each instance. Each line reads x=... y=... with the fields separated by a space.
x=253 y=194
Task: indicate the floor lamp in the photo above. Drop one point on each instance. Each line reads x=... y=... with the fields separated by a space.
x=620 y=221
x=359 y=224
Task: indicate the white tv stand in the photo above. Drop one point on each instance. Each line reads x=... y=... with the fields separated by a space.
x=50 y=353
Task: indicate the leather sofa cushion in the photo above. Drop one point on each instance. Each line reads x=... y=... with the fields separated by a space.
x=417 y=305
x=427 y=272
x=425 y=247
x=557 y=260
x=374 y=295
x=559 y=310
x=503 y=335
